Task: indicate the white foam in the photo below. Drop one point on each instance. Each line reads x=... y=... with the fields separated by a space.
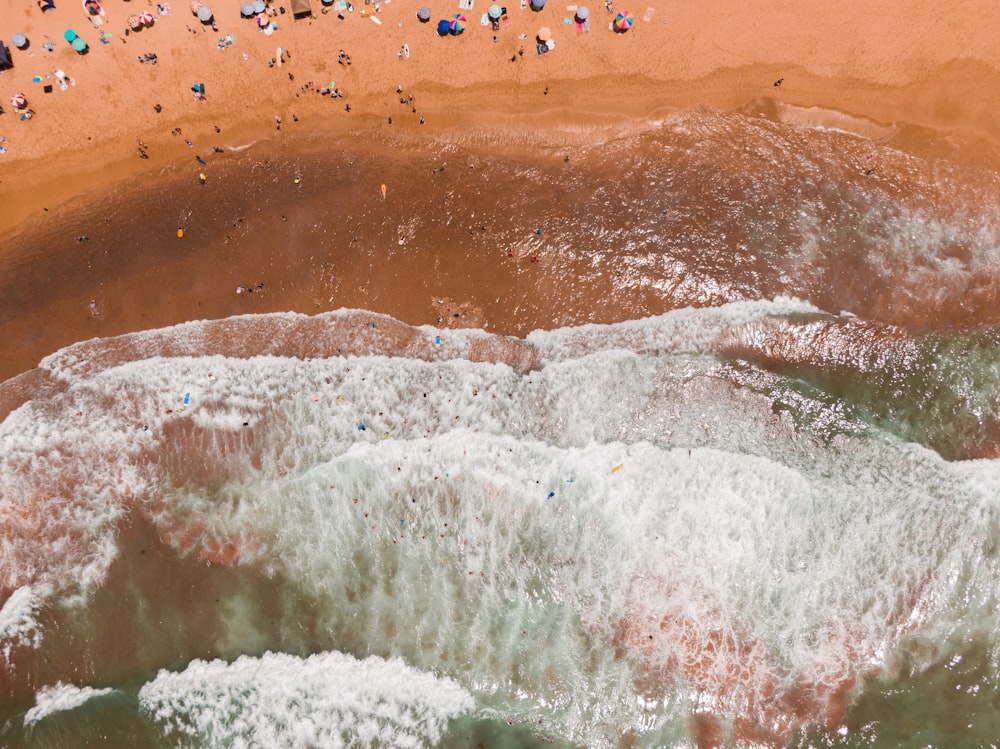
x=60 y=697
x=18 y=623
x=480 y=527
x=325 y=700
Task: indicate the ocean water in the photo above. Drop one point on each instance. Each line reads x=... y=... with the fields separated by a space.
x=755 y=519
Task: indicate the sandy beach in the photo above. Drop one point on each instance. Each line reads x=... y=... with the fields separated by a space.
x=113 y=156
x=839 y=162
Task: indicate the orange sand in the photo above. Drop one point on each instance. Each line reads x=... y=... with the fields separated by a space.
x=925 y=62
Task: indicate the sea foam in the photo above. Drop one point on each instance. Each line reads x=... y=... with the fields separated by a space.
x=60 y=697
x=632 y=529
x=326 y=699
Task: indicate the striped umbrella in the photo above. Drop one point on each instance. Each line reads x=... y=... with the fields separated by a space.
x=624 y=20
x=147 y=18
x=134 y=22
x=18 y=101
x=458 y=22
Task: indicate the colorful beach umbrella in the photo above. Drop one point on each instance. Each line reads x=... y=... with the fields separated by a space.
x=624 y=20
x=458 y=22
x=544 y=34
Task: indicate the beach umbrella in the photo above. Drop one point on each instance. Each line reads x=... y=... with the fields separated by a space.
x=495 y=12
x=582 y=13
x=246 y=10
x=134 y=22
x=147 y=18
x=544 y=34
x=79 y=45
x=458 y=22
x=444 y=26
x=204 y=14
x=19 y=40
x=424 y=15
x=623 y=21
x=18 y=101
x=259 y=6
x=537 y=4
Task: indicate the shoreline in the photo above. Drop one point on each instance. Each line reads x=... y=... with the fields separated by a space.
x=39 y=185
x=895 y=69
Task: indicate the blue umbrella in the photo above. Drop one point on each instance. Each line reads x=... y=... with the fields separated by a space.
x=495 y=11
x=444 y=27
x=537 y=4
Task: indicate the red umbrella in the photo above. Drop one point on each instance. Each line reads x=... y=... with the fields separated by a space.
x=18 y=101
x=147 y=18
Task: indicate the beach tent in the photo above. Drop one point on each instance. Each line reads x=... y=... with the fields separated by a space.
x=301 y=8
x=5 y=61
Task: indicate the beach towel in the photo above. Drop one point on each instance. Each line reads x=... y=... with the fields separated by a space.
x=465 y=4
x=648 y=15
